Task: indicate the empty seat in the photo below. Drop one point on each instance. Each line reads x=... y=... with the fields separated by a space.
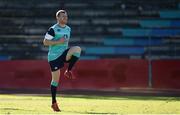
x=170 y=14
x=114 y=50
x=151 y=32
x=132 y=42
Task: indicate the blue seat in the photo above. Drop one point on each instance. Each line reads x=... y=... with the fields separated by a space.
x=114 y=50
x=131 y=41
x=175 y=23
x=100 y=50
x=2 y=58
x=155 y=23
x=130 y=50
x=170 y=14
x=136 y=32
x=118 y=41
x=165 y=32
x=151 y=32
x=89 y=57
x=146 y=42
x=159 y=23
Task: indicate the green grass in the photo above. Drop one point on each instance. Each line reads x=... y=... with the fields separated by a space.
x=81 y=104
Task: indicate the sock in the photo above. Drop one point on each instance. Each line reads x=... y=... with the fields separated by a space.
x=53 y=91
x=73 y=60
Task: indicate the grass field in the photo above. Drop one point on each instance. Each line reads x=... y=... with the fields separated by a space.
x=83 y=104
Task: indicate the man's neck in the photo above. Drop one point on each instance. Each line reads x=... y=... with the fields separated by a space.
x=61 y=25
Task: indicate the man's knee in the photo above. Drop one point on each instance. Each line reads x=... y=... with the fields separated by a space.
x=77 y=49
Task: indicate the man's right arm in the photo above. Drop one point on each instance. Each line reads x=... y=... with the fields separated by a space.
x=49 y=36
x=50 y=42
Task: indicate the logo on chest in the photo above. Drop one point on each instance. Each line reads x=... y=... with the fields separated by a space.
x=58 y=30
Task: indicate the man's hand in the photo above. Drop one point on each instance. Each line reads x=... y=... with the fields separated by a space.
x=61 y=40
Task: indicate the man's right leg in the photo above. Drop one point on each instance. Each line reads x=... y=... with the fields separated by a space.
x=54 y=85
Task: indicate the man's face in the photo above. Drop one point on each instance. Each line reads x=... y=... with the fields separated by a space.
x=62 y=18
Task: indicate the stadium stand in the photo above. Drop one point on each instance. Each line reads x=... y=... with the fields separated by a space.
x=103 y=28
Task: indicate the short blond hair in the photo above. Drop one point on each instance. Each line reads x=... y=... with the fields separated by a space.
x=60 y=11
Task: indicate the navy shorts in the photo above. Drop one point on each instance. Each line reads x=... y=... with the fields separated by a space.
x=59 y=62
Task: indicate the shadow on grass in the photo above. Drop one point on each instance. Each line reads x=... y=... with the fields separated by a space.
x=14 y=109
x=109 y=97
x=99 y=113
x=89 y=112
x=123 y=97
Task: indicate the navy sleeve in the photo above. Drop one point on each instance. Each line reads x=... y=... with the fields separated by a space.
x=51 y=32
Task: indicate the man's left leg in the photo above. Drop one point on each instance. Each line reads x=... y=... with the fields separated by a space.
x=72 y=56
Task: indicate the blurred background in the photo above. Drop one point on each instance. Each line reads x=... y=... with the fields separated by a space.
x=125 y=43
